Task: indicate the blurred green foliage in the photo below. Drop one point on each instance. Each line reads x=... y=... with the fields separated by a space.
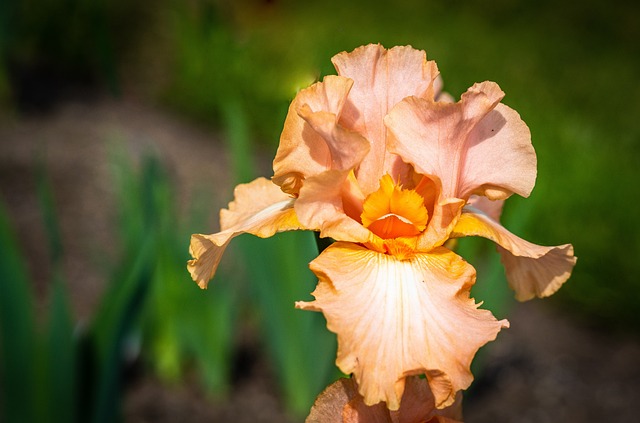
x=152 y=308
x=59 y=373
x=17 y=330
x=64 y=372
x=182 y=327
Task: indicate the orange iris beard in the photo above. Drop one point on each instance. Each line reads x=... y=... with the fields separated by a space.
x=397 y=216
x=393 y=212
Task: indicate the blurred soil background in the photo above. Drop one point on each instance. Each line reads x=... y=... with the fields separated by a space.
x=104 y=103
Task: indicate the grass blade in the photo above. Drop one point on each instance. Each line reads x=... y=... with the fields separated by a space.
x=61 y=383
x=17 y=332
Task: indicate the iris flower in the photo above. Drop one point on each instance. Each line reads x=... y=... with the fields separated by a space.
x=381 y=161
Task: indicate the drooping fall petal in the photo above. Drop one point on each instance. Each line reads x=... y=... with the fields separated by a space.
x=260 y=208
x=381 y=79
x=532 y=270
x=340 y=402
x=395 y=318
x=475 y=146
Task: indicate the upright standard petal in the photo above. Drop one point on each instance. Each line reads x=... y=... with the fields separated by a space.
x=260 y=208
x=381 y=79
x=532 y=270
x=346 y=148
x=398 y=318
x=476 y=146
x=302 y=150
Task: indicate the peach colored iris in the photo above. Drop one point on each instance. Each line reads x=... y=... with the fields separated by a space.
x=379 y=160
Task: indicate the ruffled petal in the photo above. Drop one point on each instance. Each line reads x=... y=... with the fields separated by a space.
x=346 y=148
x=302 y=150
x=532 y=270
x=341 y=402
x=206 y=251
x=381 y=79
x=260 y=208
x=476 y=146
x=397 y=318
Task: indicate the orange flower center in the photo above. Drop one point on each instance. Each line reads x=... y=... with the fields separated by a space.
x=393 y=212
